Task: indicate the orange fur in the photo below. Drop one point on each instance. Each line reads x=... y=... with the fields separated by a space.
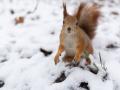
x=77 y=32
x=88 y=19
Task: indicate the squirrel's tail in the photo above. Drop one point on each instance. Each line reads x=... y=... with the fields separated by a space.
x=88 y=18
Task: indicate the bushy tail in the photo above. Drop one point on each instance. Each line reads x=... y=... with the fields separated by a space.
x=88 y=18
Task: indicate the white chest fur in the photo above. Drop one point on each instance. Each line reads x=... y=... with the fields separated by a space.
x=70 y=45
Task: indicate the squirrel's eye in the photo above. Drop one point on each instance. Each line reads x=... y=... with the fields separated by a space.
x=76 y=23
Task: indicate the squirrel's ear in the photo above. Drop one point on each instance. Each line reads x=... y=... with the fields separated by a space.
x=64 y=10
x=82 y=5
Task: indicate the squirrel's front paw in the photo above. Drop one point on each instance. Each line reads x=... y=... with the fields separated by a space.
x=75 y=63
x=76 y=59
x=56 y=59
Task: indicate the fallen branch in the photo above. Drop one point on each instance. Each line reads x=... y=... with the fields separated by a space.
x=36 y=7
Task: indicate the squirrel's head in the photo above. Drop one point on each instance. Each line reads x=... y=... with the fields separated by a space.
x=70 y=23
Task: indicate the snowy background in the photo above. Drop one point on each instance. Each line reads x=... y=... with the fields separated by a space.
x=24 y=67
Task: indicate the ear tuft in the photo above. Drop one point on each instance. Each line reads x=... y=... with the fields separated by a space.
x=64 y=10
x=82 y=5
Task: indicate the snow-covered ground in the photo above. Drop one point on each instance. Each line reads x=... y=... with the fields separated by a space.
x=24 y=67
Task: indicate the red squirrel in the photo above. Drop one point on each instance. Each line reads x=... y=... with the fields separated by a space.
x=77 y=32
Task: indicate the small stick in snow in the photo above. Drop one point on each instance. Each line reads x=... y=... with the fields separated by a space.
x=105 y=77
x=102 y=64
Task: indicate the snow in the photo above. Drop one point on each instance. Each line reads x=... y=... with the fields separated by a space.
x=24 y=67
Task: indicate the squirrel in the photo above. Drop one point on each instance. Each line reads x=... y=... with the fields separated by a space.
x=77 y=32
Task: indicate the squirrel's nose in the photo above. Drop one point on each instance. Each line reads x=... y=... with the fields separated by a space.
x=69 y=29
